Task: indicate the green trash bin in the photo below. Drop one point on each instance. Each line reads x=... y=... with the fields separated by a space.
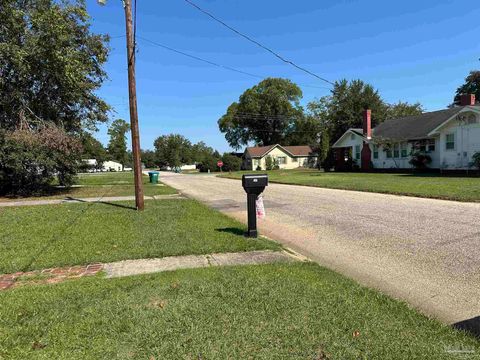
x=153 y=175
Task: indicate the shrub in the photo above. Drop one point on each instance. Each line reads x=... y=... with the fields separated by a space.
x=271 y=163
x=231 y=162
x=420 y=160
x=30 y=160
x=476 y=160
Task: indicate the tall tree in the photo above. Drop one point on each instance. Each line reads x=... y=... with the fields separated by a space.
x=263 y=114
x=117 y=146
x=306 y=130
x=403 y=109
x=470 y=86
x=173 y=150
x=51 y=65
x=149 y=158
x=93 y=149
x=346 y=104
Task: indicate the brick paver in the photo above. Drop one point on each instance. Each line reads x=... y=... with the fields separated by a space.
x=48 y=276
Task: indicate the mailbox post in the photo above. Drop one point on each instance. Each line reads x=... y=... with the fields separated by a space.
x=253 y=186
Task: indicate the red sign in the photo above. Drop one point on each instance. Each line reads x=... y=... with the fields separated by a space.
x=220 y=163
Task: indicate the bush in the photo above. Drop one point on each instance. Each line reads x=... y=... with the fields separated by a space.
x=231 y=162
x=476 y=160
x=420 y=160
x=259 y=168
x=269 y=163
x=30 y=160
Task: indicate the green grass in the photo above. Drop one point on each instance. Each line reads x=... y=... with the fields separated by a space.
x=37 y=237
x=421 y=185
x=293 y=311
x=100 y=184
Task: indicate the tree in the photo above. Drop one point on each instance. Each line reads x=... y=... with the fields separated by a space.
x=50 y=65
x=201 y=152
x=173 y=150
x=470 y=86
x=345 y=105
x=231 y=162
x=29 y=160
x=149 y=158
x=93 y=149
x=117 y=146
x=403 y=109
x=264 y=114
x=306 y=131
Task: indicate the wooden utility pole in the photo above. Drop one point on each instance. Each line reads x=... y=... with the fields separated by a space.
x=132 y=92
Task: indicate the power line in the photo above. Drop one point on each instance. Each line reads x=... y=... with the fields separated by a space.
x=198 y=58
x=225 y=67
x=257 y=43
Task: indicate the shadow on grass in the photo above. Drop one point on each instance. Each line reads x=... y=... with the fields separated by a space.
x=471 y=326
x=232 y=230
x=45 y=192
x=102 y=202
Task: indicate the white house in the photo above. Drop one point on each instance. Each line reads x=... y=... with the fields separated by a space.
x=106 y=166
x=286 y=157
x=450 y=137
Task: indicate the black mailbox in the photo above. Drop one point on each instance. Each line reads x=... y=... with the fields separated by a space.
x=253 y=186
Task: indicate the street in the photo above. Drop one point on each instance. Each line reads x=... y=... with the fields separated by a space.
x=423 y=251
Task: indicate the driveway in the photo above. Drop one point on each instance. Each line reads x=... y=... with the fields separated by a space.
x=423 y=251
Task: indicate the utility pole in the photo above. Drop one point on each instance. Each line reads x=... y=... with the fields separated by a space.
x=132 y=97
x=132 y=94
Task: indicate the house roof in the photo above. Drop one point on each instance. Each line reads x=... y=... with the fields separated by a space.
x=260 y=151
x=414 y=127
x=355 y=131
x=301 y=150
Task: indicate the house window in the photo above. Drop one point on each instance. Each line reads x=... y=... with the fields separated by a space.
x=375 y=151
x=357 y=152
x=396 y=151
x=352 y=137
x=404 y=150
x=450 y=141
x=295 y=159
x=389 y=153
x=426 y=146
x=281 y=160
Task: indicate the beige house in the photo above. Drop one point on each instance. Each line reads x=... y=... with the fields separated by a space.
x=286 y=157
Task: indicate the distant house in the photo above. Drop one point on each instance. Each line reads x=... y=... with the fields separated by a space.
x=106 y=166
x=286 y=157
x=449 y=137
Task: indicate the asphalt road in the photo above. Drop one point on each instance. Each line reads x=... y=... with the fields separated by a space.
x=423 y=251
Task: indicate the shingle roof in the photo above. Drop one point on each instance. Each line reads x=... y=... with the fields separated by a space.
x=260 y=151
x=414 y=127
x=301 y=150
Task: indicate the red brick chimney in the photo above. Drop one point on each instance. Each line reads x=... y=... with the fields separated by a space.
x=467 y=99
x=367 y=123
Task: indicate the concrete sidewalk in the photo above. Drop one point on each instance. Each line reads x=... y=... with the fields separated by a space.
x=144 y=266
x=86 y=200
x=148 y=266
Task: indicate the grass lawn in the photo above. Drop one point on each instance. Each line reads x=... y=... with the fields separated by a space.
x=101 y=184
x=36 y=237
x=292 y=311
x=421 y=185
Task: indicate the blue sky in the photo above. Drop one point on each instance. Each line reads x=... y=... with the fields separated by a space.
x=409 y=50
